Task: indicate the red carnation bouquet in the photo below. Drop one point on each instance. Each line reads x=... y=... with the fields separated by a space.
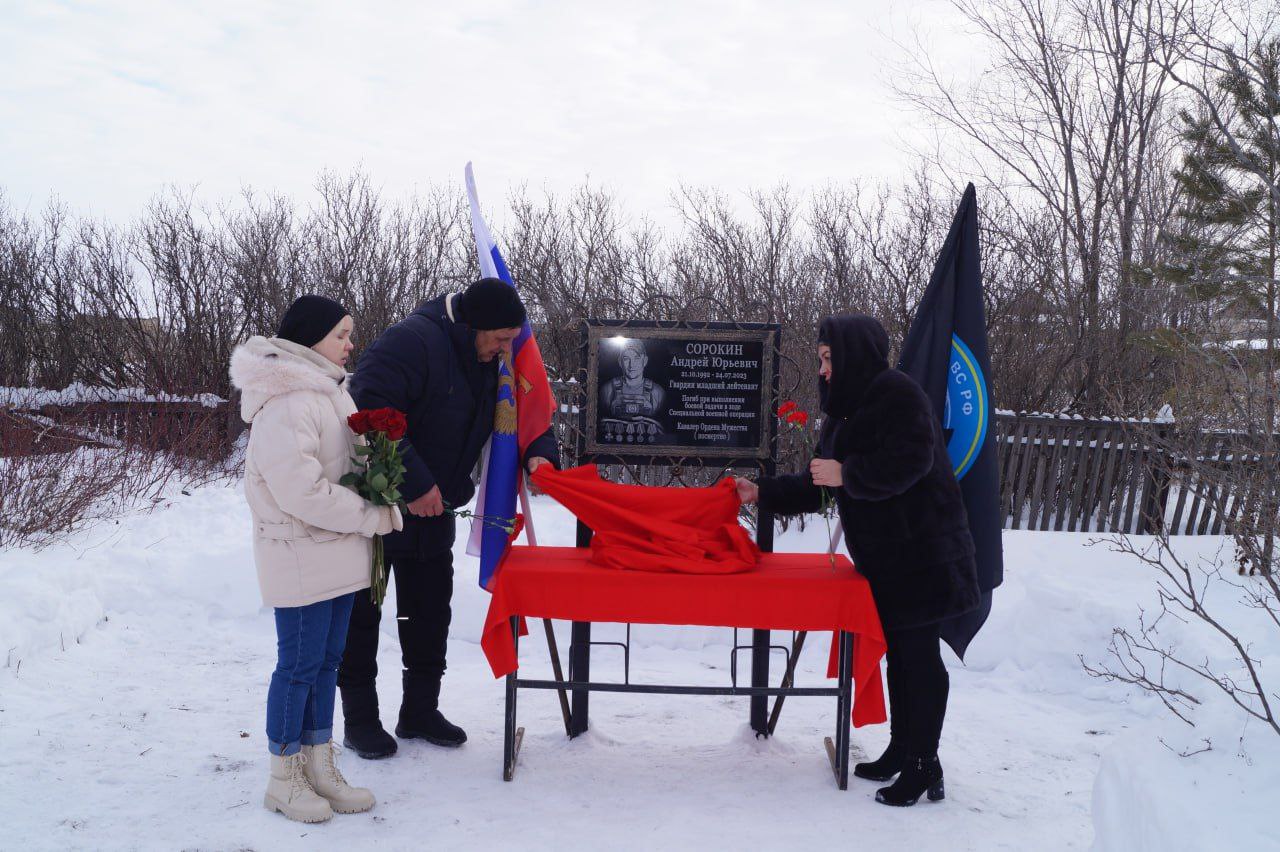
x=791 y=417
x=378 y=475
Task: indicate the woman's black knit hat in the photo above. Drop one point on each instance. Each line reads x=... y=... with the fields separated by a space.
x=310 y=319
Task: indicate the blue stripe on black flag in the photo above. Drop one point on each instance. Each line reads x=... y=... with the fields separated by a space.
x=946 y=352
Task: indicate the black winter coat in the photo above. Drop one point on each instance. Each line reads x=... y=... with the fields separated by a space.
x=426 y=366
x=900 y=505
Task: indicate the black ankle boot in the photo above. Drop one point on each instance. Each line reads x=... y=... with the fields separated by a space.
x=919 y=775
x=362 y=732
x=886 y=765
x=420 y=717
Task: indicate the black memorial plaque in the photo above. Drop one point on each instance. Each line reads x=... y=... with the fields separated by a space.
x=679 y=391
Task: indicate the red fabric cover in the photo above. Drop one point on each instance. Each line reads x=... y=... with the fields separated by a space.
x=785 y=591
x=642 y=528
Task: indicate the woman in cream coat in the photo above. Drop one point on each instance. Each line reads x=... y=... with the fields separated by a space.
x=312 y=541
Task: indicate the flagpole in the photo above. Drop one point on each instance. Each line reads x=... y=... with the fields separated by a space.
x=528 y=512
x=491 y=265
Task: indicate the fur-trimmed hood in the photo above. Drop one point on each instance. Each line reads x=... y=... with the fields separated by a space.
x=263 y=368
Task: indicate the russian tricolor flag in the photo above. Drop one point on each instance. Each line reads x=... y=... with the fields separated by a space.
x=523 y=390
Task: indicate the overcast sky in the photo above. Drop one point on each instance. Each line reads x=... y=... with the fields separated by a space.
x=106 y=103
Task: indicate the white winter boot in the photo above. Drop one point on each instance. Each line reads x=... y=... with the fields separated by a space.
x=290 y=793
x=322 y=771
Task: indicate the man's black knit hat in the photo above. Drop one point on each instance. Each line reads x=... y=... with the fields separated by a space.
x=491 y=303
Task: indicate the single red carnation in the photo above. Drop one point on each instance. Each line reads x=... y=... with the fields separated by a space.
x=786 y=408
x=799 y=418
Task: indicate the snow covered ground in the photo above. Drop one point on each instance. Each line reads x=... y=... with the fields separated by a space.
x=137 y=655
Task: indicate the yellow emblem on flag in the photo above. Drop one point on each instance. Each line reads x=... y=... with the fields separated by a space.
x=504 y=417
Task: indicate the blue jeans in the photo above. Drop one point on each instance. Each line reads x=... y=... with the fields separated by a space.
x=310 y=640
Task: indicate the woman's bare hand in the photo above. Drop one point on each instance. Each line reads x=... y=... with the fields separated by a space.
x=748 y=491
x=828 y=472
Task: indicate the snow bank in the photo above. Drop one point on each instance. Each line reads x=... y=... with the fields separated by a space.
x=1168 y=785
x=1155 y=792
x=79 y=394
x=194 y=550
x=1027 y=728
x=191 y=550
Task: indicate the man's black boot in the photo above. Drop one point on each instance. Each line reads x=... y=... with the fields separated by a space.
x=420 y=716
x=362 y=732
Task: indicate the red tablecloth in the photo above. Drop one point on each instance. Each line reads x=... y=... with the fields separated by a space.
x=787 y=591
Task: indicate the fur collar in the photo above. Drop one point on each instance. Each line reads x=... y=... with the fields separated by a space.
x=266 y=367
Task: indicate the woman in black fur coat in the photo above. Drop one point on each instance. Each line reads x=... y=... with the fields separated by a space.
x=882 y=455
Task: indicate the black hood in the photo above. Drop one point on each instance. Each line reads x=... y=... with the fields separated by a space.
x=859 y=352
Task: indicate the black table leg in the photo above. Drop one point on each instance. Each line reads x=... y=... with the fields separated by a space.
x=760 y=678
x=580 y=655
x=760 y=638
x=844 y=709
x=580 y=672
x=788 y=678
x=554 y=650
x=511 y=735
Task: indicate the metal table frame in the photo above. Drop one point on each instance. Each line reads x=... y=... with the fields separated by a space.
x=580 y=684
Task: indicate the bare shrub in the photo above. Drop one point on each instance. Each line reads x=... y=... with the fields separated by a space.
x=44 y=498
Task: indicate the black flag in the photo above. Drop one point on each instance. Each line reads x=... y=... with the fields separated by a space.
x=946 y=352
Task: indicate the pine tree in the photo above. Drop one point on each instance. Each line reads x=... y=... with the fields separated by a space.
x=1224 y=251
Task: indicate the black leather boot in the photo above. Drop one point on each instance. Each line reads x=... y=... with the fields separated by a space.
x=362 y=732
x=894 y=758
x=886 y=765
x=919 y=775
x=420 y=716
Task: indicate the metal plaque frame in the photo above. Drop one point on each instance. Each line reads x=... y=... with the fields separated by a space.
x=591 y=449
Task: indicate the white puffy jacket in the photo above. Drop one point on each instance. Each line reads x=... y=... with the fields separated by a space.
x=312 y=538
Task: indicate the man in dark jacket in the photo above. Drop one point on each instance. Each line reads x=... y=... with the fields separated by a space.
x=439 y=366
x=881 y=454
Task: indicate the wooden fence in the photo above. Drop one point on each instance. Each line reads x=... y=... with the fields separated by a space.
x=1125 y=476
x=1060 y=474
x=186 y=428
x=1079 y=475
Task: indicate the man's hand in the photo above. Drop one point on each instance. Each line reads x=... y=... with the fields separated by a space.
x=429 y=505
x=535 y=463
x=828 y=472
x=748 y=491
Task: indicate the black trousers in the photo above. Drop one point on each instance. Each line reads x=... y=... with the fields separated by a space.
x=918 y=687
x=423 y=589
